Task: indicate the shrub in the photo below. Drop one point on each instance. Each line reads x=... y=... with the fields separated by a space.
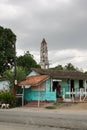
x=7 y=97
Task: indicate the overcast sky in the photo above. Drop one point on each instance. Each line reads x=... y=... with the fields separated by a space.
x=63 y=24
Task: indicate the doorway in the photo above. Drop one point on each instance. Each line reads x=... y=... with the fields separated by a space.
x=54 y=85
x=80 y=83
x=72 y=87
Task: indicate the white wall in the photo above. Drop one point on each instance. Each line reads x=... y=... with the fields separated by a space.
x=4 y=85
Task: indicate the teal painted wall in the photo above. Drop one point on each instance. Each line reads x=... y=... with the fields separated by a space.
x=64 y=88
x=41 y=95
x=34 y=95
x=50 y=96
x=48 y=82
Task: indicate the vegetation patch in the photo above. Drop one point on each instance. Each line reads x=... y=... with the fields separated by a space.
x=7 y=98
x=51 y=107
x=59 y=105
x=65 y=104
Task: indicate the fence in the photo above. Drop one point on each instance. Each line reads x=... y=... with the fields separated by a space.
x=79 y=95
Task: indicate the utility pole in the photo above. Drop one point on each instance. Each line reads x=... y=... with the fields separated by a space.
x=15 y=74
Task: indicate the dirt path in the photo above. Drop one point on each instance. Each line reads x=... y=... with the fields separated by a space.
x=73 y=106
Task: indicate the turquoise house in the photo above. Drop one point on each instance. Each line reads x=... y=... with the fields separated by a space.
x=41 y=85
x=37 y=87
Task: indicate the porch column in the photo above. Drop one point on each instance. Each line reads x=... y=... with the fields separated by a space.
x=69 y=85
x=85 y=87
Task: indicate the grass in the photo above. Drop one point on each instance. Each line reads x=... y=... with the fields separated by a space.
x=60 y=104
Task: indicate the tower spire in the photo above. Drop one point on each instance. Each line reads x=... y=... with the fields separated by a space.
x=44 y=55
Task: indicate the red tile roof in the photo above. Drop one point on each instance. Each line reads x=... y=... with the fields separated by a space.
x=33 y=80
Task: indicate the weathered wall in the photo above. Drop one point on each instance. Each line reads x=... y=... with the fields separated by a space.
x=41 y=87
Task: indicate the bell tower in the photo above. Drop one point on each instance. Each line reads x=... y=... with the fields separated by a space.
x=44 y=55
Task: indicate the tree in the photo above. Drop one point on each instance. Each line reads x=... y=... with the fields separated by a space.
x=69 y=66
x=9 y=75
x=7 y=41
x=59 y=67
x=27 y=61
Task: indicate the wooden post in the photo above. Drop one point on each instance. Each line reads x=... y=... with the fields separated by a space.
x=63 y=93
x=38 y=100
x=38 y=97
x=85 y=91
x=72 y=95
x=80 y=94
x=23 y=97
x=85 y=87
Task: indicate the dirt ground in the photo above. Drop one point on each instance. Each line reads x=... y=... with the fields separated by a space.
x=73 y=106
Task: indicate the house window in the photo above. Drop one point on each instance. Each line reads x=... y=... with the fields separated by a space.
x=80 y=83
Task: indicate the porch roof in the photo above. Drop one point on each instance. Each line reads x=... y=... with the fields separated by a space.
x=33 y=80
x=61 y=74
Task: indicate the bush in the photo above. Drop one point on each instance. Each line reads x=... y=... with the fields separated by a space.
x=7 y=97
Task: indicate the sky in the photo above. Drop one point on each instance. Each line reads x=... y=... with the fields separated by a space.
x=63 y=24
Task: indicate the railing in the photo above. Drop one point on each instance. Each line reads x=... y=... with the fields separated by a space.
x=19 y=95
x=79 y=95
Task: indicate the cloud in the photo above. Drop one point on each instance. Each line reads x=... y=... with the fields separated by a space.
x=63 y=23
x=63 y=57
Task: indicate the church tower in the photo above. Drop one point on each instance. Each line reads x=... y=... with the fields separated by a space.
x=44 y=55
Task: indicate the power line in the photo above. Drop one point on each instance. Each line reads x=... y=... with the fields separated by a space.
x=66 y=58
x=69 y=57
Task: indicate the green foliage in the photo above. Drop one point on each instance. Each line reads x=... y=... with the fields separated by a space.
x=7 y=97
x=59 y=67
x=20 y=73
x=7 y=41
x=27 y=61
x=85 y=72
x=69 y=66
x=9 y=75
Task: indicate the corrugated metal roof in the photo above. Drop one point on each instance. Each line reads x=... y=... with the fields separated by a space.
x=33 y=80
